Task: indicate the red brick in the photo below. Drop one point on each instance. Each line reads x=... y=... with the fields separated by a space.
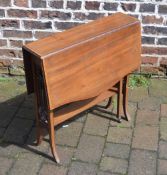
x=9 y=23
x=150 y=30
x=11 y=62
x=39 y=34
x=162 y=30
x=128 y=7
x=152 y=20
x=4 y=62
x=162 y=9
x=151 y=70
x=155 y=30
x=110 y=6
x=22 y=13
x=28 y=41
x=154 y=50
x=10 y=52
x=55 y=14
x=39 y=3
x=56 y=4
x=37 y=25
x=147 y=7
x=17 y=34
x=92 y=5
x=75 y=5
x=16 y=43
x=2 y=13
x=162 y=50
x=163 y=61
x=148 y=40
x=79 y=16
x=3 y=42
x=162 y=41
x=5 y=3
x=149 y=60
x=66 y=25
x=149 y=50
x=21 y=3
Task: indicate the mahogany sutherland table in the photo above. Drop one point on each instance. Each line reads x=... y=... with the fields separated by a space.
x=74 y=70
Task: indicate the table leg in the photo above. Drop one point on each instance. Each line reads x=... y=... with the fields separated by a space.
x=119 y=101
x=125 y=98
x=52 y=137
x=37 y=104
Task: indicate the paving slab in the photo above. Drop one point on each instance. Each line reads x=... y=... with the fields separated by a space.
x=26 y=164
x=96 y=125
x=29 y=101
x=163 y=129
x=158 y=88
x=116 y=150
x=18 y=131
x=81 y=117
x=5 y=165
x=150 y=103
x=69 y=135
x=105 y=173
x=10 y=89
x=6 y=114
x=78 y=168
x=90 y=148
x=163 y=149
x=136 y=94
x=89 y=144
x=147 y=117
x=32 y=141
x=11 y=150
x=52 y=169
x=142 y=162
x=132 y=107
x=162 y=167
x=119 y=135
x=145 y=137
x=65 y=154
x=163 y=110
x=2 y=130
x=26 y=113
x=114 y=165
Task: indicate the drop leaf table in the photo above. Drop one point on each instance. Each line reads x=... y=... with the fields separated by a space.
x=71 y=71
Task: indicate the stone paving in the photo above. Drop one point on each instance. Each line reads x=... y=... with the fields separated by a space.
x=93 y=143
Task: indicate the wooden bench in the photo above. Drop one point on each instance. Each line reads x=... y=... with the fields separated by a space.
x=78 y=68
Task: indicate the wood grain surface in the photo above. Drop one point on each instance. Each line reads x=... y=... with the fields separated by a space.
x=87 y=60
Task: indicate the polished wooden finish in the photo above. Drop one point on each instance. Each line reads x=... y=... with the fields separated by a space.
x=81 y=67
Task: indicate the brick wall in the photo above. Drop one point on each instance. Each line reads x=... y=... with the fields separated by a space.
x=23 y=21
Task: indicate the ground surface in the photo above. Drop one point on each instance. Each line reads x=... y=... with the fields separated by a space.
x=89 y=145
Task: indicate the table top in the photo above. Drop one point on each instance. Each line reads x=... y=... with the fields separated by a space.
x=58 y=42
